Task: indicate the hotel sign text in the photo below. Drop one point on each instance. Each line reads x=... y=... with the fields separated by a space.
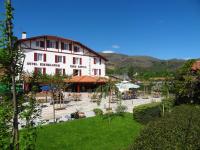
x=42 y=64
x=77 y=66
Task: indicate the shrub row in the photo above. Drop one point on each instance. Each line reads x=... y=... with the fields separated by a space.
x=147 y=112
x=179 y=129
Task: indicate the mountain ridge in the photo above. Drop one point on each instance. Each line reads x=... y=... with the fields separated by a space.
x=141 y=63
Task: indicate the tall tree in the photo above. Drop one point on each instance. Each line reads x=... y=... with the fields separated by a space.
x=11 y=60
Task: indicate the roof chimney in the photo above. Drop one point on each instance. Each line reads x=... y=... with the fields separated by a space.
x=23 y=35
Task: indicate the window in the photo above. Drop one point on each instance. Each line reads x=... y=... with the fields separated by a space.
x=97 y=71
x=76 y=49
x=77 y=72
x=58 y=71
x=39 y=57
x=70 y=47
x=59 y=58
x=77 y=60
x=52 y=44
x=39 y=43
x=38 y=70
x=64 y=46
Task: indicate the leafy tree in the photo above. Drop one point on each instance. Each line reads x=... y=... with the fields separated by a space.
x=186 y=85
x=9 y=58
x=11 y=103
x=130 y=72
x=108 y=90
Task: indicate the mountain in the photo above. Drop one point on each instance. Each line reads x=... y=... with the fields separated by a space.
x=140 y=63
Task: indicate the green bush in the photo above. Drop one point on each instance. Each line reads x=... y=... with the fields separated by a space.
x=98 y=111
x=147 y=112
x=179 y=130
x=168 y=103
x=121 y=109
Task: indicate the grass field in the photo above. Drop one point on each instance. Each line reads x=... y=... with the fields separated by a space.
x=89 y=134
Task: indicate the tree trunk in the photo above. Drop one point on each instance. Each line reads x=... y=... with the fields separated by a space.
x=60 y=98
x=12 y=74
x=15 y=115
x=54 y=115
x=110 y=94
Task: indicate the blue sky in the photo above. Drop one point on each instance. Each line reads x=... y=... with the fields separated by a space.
x=159 y=28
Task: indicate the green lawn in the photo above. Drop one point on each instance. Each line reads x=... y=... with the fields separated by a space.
x=89 y=134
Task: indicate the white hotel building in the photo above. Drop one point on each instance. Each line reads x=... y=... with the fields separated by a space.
x=51 y=55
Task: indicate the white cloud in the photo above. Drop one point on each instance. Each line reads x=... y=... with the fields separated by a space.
x=115 y=46
x=108 y=51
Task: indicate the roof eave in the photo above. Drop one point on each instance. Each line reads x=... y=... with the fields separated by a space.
x=60 y=38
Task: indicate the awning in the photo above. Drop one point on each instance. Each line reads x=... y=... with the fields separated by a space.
x=87 y=79
x=126 y=85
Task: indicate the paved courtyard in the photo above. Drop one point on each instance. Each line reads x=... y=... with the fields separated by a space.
x=86 y=106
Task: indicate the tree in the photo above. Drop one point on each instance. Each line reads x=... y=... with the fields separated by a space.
x=56 y=84
x=186 y=85
x=9 y=57
x=108 y=90
x=130 y=72
x=11 y=60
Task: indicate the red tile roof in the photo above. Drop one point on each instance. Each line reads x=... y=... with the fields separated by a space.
x=86 y=79
x=196 y=65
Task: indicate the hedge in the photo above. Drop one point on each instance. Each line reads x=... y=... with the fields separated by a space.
x=179 y=129
x=147 y=112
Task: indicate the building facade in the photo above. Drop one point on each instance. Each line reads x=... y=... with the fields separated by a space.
x=55 y=55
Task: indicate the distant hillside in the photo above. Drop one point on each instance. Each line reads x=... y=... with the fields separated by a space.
x=140 y=63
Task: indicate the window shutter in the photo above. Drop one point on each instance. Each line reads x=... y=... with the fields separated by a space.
x=36 y=71
x=45 y=57
x=70 y=47
x=57 y=44
x=56 y=71
x=94 y=60
x=56 y=58
x=42 y=44
x=35 y=56
x=99 y=71
x=80 y=73
x=64 y=59
x=44 y=71
x=74 y=60
x=75 y=48
x=48 y=43
x=100 y=61
x=62 y=46
x=63 y=71
x=80 y=61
